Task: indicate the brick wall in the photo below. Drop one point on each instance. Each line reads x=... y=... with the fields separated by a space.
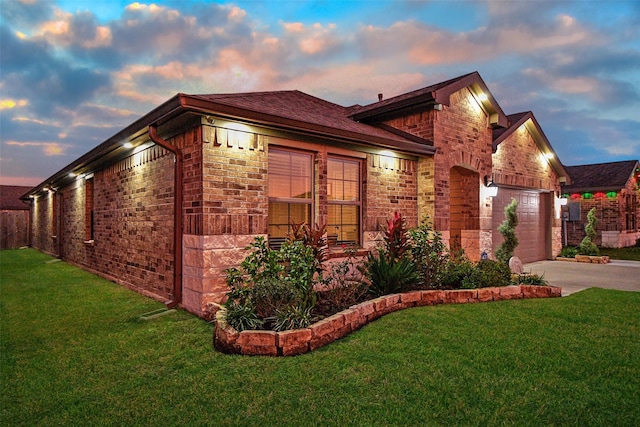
x=235 y=200
x=42 y=225
x=518 y=162
x=461 y=136
x=612 y=218
x=133 y=223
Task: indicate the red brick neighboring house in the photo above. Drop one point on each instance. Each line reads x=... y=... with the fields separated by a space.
x=14 y=217
x=202 y=175
x=614 y=190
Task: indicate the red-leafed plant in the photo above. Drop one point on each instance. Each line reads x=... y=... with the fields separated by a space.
x=314 y=237
x=396 y=237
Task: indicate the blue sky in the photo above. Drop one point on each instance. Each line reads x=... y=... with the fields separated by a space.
x=73 y=73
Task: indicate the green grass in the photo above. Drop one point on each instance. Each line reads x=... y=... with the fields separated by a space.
x=631 y=253
x=74 y=353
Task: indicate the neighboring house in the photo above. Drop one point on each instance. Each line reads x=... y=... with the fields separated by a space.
x=169 y=203
x=614 y=190
x=14 y=219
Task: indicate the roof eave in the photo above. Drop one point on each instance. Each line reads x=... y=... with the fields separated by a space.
x=203 y=106
x=162 y=113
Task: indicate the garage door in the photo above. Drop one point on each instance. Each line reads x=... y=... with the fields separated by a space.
x=533 y=225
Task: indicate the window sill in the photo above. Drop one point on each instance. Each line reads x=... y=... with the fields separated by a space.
x=88 y=242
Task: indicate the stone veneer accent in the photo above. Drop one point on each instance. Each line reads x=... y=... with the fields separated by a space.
x=300 y=341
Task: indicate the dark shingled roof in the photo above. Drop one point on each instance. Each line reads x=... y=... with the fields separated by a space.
x=10 y=197
x=601 y=176
x=302 y=107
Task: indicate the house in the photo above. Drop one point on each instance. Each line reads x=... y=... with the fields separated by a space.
x=169 y=203
x=14 y=217
x=614 y=190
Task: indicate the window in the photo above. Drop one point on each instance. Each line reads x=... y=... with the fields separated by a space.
x=344 y=201
x=290 y=192
x=88 y=210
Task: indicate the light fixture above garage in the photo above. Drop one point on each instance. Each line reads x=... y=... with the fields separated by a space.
x=489 y=189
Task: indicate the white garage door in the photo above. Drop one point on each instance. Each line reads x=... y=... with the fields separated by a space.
x=533 y=230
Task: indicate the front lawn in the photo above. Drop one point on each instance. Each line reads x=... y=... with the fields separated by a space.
x=74 y=352
x=631 y=253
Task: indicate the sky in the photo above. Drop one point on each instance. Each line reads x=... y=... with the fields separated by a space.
x=75 y=72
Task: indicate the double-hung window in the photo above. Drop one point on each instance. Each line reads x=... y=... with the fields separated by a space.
x=290 y=192
x=344 y=201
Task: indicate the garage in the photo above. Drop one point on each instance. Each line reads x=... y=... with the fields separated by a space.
x=533 y=230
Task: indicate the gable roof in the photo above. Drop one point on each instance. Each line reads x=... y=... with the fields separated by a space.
x=611 y=176
x=527 y=119
x=288 y=111
x=297 y=110
x=433 y=95
x=10 y=197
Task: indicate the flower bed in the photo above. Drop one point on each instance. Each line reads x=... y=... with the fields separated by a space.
x=300 y=341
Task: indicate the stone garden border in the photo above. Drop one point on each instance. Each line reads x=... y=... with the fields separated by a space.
x=300 y=341
x=587 y=259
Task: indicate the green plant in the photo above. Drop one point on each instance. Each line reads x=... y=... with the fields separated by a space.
x=531 y=279
x=292 y=317
x=268 y=295
x=429 y=254
x=342 y=286
x=242 y=316
x=493 y=273
x=313 y=237
x=460 y=273
x=271 y=281
x=569 y=252
x=588 y=246
x=508 y=231
x=386 y=276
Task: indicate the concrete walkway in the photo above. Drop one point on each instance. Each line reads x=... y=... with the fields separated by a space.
x=577 y=276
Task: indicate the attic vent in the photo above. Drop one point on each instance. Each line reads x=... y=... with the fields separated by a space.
x=379 y=97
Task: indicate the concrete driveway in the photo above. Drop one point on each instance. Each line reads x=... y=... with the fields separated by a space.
x=577 y=276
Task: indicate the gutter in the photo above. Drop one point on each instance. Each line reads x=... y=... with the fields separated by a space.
x=177 y=215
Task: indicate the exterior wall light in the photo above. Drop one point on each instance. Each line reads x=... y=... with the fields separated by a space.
x=482 y=97
x=127 y=145
x=489 y=189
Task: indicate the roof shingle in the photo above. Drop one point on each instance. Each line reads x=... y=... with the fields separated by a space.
x=600 y=176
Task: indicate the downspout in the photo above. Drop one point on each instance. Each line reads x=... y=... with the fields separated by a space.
x=177 y=215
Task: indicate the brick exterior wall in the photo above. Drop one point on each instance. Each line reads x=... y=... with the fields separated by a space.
x=518 y=162
x=133 y=223
x=614 y=228
x=463 y=139
x=42 y=224
x=234 y=203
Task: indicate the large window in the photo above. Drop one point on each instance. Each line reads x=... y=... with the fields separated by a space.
x=344 y=201
x=290 y=192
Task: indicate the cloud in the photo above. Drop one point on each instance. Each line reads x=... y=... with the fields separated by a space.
x=48 y=148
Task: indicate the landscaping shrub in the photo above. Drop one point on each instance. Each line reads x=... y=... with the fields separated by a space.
x=292 y=317
x=429 y=254
x=588 y=246
x=569 y=252
x=493 y=273
x=275 y=288
x=342 y=286
x=386 y=276
x=530 y=279
x=508 y=231
x=460 y=273
x=389 y=269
